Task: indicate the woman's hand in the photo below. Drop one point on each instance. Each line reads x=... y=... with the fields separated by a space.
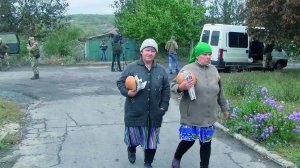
x=185 y=85
x=226 y=114
x=132 y=93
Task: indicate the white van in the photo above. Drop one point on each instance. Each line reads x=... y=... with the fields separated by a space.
x=231 y=48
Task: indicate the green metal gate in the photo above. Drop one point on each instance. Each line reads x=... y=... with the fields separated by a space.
x=93 y=51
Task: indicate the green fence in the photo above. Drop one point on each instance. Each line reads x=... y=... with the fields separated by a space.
x=93 y=51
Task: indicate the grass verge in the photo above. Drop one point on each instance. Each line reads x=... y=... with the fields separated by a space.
x=283 y=86
x=10 y=112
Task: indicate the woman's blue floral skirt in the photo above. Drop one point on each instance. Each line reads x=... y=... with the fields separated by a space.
x=191 y=133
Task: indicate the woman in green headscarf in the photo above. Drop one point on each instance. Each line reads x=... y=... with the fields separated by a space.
x=197 y=117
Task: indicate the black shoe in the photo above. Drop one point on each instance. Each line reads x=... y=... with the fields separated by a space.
x=131 y=156
x=175 y=163
x=36 y=76
x=147 y=165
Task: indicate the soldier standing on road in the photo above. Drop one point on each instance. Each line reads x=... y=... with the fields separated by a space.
x=267 y=58
x=144 y=109
x=172 y=47
x=197 y=117
x=4 y=55
x=33 y=50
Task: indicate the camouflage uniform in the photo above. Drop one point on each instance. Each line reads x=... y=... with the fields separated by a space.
x=33 y=49
x=267 y=58
x=4 y=56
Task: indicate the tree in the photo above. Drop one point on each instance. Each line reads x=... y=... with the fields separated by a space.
x=62 y=42
x=33 y=17
x=159 y=19
x=280 y=18
x=226 y=12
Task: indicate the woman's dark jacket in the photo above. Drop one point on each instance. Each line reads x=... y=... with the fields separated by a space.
x=152 y=101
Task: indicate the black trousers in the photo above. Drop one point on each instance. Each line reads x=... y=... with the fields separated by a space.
x=149 y=154
x=116 y=57
x=205 y=151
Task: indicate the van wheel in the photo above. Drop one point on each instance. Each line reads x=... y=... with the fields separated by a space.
x=279 y=65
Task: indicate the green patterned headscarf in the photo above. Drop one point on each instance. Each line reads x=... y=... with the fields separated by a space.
x=200 y=48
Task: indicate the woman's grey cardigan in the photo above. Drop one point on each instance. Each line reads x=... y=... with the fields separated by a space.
x=209 y=97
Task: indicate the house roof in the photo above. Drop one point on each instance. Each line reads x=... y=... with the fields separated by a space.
x=109 y=33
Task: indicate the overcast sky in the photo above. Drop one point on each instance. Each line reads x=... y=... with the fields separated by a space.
x=90 y=7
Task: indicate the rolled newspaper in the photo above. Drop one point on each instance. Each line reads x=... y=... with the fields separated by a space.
x=188 y=76
x=139 y=83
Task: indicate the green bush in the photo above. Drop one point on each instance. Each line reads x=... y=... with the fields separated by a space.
x=292 y=49
x=62 y=42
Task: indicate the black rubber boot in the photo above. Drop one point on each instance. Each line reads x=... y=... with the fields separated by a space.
x=149 y=156
x=36 y=76
x=131 y=154
x=175 y=163
x=147 y=165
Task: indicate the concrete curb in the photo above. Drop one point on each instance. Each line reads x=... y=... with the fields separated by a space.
x=261 y=150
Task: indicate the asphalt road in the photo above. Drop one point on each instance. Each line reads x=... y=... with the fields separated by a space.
x=75 y=120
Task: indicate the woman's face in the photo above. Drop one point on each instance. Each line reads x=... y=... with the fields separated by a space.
x=148 y=54
x=204 y=59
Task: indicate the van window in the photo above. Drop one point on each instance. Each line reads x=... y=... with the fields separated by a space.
x=205 y=36
x=215 y=38
x=12 y=40
x=238 y=40
x=9 y=38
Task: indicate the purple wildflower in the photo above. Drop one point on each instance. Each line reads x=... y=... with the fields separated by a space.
x=297 y=129
x=270 y=101
x=238 y=127
x=280 y=107
x=264 y=90
x=295 y=116
x=262 y=136
x=233 y=114
x=271 y=129
x=259 y=117
x=228 y=103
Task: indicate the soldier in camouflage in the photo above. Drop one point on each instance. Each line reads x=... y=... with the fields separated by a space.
x=3 y=55
x=33 y=50
x=267 y=57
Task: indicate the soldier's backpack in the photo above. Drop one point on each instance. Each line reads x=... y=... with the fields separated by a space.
x=117 y=47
